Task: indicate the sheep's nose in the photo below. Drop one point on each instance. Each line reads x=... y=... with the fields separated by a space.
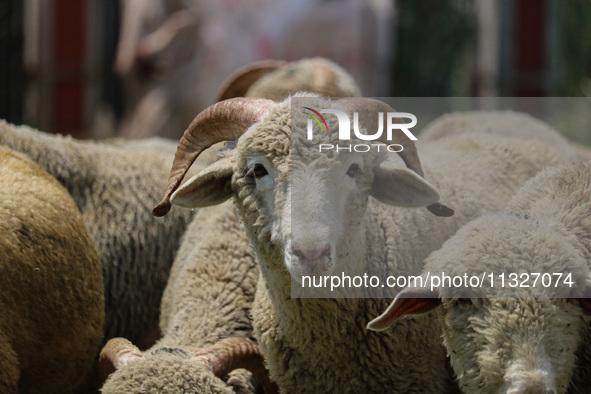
x=311 y=254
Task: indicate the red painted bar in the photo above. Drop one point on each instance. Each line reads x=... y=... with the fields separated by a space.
x=529 y=42
x=68 y=57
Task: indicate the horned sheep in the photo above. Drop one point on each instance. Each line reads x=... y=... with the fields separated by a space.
x=114 y=184
x=321 y=345
x=525 y=335
x=208 y=298
x=276 y=79
x=213 y=279
x=51 y=303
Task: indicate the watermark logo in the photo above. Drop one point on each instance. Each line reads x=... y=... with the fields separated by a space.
x=345 y=129
x=318 y=115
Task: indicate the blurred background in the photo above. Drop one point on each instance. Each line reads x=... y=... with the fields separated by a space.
x=137 y=68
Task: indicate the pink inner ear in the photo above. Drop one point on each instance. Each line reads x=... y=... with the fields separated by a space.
x=402 y=307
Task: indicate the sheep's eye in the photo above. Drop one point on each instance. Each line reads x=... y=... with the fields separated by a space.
x=353 y=170
x=463 y=301
x=259 y=171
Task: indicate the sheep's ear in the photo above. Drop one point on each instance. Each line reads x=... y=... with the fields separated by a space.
x=211 y=186
x=402 y=187
x=409 y=302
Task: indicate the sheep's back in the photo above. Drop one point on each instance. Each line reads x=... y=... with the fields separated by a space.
x=500 y=123
x=52 y=303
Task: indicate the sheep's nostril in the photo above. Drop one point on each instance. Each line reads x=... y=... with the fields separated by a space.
x=311 y=254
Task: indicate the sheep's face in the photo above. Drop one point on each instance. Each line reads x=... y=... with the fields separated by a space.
x=515 y=345
x=303 y=208
x=504 y=345
x=320 y=217
x=512 y=345
x=506 y=339
x=308 y=205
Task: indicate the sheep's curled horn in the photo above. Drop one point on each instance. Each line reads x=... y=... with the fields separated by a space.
x=229 y=354
x=221 y=358
x=229 y=119
x=223 y=121
x=116 y=354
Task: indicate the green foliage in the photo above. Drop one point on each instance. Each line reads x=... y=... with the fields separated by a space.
x=434 y=38
x=575 y=43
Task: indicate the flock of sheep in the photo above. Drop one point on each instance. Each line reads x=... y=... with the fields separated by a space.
x=201 y=300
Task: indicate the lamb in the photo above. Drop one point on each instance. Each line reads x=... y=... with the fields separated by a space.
x=273 y=171
x=516 y=339
x=51 y=301
x=113 y=187
x=276 y=79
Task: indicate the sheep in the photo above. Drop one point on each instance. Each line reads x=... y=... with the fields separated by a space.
x=189 y=297
x=515 y=339
x=273 y=170
x=509 y=123
x=207 y=299
x=113 y=187
x=276 y=79
x=51 y=301
x=179 y=371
